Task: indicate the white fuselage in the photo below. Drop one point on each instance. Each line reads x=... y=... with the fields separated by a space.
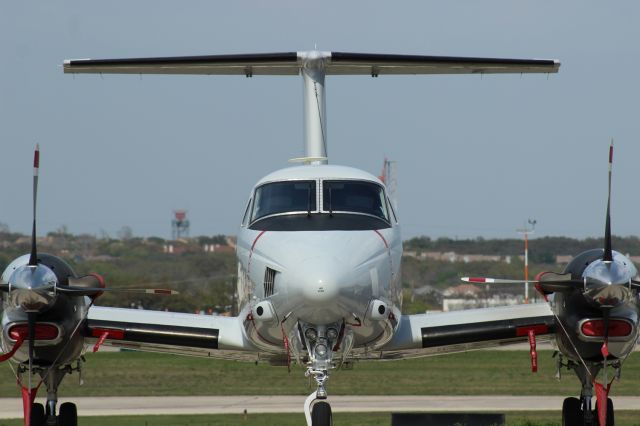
x=320 y=260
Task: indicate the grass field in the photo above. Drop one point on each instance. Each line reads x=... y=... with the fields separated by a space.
x=478 y=372
x=623 y=418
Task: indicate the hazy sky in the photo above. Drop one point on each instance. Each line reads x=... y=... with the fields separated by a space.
x=476 y=156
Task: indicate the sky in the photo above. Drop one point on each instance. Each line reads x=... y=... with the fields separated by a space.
x=476 y=156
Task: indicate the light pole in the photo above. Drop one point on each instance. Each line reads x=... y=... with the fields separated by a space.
x=526 y=231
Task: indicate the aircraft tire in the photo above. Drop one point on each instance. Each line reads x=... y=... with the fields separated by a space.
x=68 y=414
x=37 y=415
x=572 y=412
x=610 y=414
x=321 y=414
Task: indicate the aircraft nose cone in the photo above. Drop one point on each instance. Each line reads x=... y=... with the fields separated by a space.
x=320 y=282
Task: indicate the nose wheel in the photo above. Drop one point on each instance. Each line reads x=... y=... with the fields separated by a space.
x=317 y=411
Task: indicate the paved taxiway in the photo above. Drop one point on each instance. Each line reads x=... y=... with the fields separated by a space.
x=110 y=406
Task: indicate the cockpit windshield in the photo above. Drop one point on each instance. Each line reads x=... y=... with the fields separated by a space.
x=284 y=197
x=351 y=196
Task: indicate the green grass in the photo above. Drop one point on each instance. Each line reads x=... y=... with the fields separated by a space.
x=542 y=418
x=478 y=372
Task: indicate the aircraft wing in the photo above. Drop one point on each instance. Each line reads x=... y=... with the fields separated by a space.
x=443 y=332
x=290 y=63
x=179 y=333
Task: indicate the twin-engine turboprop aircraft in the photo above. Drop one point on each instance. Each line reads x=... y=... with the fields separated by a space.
x=319 y=253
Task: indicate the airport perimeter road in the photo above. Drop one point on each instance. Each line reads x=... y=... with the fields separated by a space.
x=111 y=406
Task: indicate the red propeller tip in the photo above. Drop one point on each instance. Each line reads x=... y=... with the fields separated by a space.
x=36 y=157
x=611 y=153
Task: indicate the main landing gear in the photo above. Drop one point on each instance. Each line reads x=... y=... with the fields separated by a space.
x=46 y=415
x=574 y=413
x=579 y=411
x=67 y=415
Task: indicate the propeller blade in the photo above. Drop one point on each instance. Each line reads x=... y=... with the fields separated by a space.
x=89 y=291
x=608 y=253
x=31 y=321
x=605 y=344
x=484 y=280
x=546 y=285
x=33 y=258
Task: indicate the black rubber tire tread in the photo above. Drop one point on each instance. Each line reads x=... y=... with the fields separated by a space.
x=572 y=412
x=37 y=415
x=610 y=413
x=68 y=414
x=321 y=414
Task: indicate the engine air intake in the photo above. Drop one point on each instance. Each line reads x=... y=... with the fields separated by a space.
x=617 y=328
x=42 y=332
x=269 y=281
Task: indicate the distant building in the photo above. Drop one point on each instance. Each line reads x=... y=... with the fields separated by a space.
x=451 y=256
x=459 y=304
x=563 y=259
x=463 y=290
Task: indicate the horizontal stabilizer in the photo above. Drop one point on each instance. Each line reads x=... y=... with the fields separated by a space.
x=290 y=63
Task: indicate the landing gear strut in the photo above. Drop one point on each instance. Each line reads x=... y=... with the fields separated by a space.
x=579 y=412
x=46 y=415
x=320 y=341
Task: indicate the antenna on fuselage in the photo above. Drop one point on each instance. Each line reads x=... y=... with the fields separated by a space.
x=313 y=66
x=608 y=252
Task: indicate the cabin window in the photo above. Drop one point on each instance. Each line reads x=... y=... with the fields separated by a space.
x=284 y=197
x=351 y=196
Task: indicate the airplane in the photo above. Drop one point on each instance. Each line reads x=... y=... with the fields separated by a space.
x=318 y=253
x=596 y=310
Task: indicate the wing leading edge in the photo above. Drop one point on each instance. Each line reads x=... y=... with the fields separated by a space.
x=178 y=333
x=455 y=331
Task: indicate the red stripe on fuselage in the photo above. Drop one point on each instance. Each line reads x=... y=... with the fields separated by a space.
x=383 y=239
x=256 y=240
x=252 y=247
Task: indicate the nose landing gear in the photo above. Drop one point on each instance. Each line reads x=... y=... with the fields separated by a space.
x=316 y=410
x=320 y=341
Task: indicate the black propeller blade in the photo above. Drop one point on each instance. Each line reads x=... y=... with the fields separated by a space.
x=608 y=253
x=33 y=259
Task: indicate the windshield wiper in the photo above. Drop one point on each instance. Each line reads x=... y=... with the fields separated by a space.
x=330 y=207
x=309 y=200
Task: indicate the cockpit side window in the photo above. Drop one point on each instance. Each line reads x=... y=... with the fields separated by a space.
x=245 y=217
x=284 y=197
x=393 y=211
x=351 y=196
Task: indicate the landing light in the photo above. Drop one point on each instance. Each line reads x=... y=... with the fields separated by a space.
x=311 y=334
x=332 y=334
x=321 y=350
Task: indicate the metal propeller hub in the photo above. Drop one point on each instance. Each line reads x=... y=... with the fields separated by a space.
x=32 y=287
x=607 y=282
